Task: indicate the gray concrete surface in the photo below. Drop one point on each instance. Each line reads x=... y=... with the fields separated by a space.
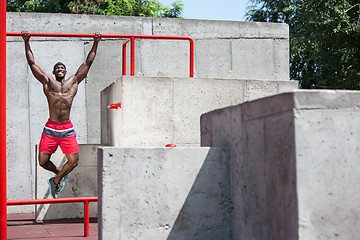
x=164 y=193
x=157 y=111
x=294 y=164
x=81 y=182
x=223 y=49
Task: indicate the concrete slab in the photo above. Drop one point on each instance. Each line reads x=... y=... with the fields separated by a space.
x=293 y=164
x=164 y=193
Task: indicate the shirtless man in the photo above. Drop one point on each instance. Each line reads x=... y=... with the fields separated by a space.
x=60 y=93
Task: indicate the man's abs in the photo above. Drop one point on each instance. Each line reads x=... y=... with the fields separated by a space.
x=59 y=106
x=60 y=96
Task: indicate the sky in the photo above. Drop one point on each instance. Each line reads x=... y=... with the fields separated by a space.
x=233 y=10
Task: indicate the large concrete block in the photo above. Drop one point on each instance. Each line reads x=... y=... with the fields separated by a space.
x=158 y=111
x=164 y=193
x=81 y=182
x=293 y=164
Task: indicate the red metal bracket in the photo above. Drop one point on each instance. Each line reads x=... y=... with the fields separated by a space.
x=170 y=145
x=114 y=106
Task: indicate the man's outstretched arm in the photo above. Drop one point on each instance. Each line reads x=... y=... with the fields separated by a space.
x=37 y=71
x=84 y=68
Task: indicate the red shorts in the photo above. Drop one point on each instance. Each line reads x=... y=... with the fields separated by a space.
x=58 y=133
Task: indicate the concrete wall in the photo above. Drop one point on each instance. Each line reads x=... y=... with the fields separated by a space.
x=158 y=111
x=294 y=164
x=164 y=193
x=223 y=49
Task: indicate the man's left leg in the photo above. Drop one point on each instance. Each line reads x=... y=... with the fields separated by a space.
x=72 y=162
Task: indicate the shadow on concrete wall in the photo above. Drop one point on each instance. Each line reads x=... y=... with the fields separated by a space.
x=207 y=210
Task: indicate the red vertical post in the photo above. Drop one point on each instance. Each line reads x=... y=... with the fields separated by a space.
x=124 y=59
x=191 y=58
x=132 y=56
x=124 y=56
x=3 y=205
x=86 y=219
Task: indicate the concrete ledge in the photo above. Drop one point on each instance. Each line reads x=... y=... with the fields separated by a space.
x=164 y=193
x=157 y=111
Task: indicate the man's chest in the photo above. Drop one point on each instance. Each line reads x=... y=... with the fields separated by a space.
x=61 y=89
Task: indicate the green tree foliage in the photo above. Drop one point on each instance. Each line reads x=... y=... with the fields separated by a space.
x=324 y=39
x=143 y=8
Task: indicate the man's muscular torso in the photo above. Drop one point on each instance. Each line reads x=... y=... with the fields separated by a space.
x=60 y=96
x=59 y=92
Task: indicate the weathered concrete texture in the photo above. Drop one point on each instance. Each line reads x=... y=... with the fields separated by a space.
x=81 y=182
x=294 y=164
x=157 y=111
x=164 y=193
x=223 y=49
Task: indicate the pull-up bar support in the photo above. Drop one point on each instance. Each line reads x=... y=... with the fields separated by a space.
x=3 y=208
x=84 y=200
x=129 y=37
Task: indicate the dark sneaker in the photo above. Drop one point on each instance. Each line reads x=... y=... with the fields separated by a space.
x=53 y=188
x=62 y=183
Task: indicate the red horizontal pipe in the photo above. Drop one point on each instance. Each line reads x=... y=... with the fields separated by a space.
x=84 y=200
x=131 y=36
x=51 y=200
x=86 y=35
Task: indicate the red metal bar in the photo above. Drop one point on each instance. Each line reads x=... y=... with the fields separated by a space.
x=3 y=216
x=132 y=64
x=84 y=200
x=114 y=106
x=191 y=57
x=86 y=219
x=88 y=35
x=125 y=36
x=124 y=57
x=51 y=200
x=124 y=60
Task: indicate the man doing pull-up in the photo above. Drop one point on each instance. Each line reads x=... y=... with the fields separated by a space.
x=59 y=130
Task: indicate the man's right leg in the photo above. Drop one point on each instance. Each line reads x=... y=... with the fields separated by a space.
x=46 y=163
